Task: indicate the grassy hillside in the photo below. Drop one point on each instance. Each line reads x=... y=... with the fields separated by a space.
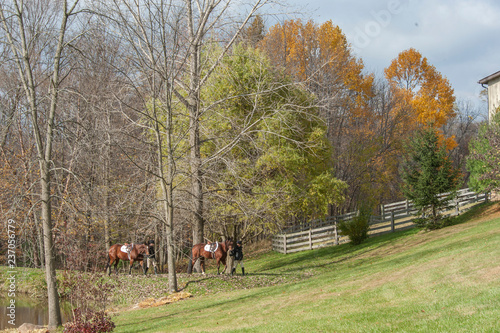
x=414 y=281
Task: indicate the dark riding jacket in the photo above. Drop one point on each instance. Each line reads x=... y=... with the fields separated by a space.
x=237 y=252
x=151 y=251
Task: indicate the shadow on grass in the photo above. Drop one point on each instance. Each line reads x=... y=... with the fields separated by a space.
x=333 y=254
x=147 y=322
x=324 y=257
x=205 y=278
x=473 y=212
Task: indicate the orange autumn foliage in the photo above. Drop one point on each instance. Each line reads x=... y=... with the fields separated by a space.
x=424 y=95
x=427 y=91
x=318 y=55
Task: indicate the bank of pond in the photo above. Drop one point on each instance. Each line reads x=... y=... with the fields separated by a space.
x=27 y=310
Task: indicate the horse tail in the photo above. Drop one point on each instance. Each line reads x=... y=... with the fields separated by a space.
x=190 y=263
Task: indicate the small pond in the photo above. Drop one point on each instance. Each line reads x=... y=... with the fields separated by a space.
x=29 y=311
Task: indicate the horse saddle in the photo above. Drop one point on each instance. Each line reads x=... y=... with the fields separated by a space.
x=212 y=247
x=126 y=248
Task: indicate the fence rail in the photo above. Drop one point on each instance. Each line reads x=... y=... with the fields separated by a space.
x=393 y=216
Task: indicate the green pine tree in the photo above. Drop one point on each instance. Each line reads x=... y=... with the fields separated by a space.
x=426 y=173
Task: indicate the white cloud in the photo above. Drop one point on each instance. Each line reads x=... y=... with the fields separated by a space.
x=460 y=38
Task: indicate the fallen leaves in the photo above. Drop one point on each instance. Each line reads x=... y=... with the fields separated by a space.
x=152 y=302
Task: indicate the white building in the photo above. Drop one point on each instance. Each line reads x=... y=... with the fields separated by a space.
x=493 y=82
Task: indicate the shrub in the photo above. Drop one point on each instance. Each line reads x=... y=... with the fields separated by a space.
x=89 y=321
x=88 y=295
x=85 y=290
x=357 y=228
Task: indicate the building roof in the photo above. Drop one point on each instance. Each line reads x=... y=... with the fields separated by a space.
x=489 y=78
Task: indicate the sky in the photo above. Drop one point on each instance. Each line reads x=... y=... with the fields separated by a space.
x=461 y=38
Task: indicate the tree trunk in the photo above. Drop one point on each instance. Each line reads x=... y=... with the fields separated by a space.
x=50 y=267
x=172 y=278
x=169 y=217
x=194 y=136
x=158 y=244
x=165 y=177
x=229 y=262
x=196 y=183
x=39 y=233
x=107 y=219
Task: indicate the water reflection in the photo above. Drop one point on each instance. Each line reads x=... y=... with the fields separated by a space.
x=29 y=311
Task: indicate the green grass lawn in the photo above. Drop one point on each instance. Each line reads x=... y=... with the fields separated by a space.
x=413 y=281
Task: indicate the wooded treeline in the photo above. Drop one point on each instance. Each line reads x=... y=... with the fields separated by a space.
x=186 y=121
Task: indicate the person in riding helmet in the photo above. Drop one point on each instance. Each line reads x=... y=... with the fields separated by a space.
x=237 y=253
x=151 y=257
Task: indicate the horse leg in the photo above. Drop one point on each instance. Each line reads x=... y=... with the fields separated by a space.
x=202 y=265
x=116 y=265
x=130 y=267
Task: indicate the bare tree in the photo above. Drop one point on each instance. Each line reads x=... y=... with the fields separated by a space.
x=150 y=31
x=464 y=127
x=37 y=47
x=104 y=193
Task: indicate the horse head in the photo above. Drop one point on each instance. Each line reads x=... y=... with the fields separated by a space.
x=142 y=249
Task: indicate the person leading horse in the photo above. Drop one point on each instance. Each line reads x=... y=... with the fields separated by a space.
x=199 y=251
x=136 y=253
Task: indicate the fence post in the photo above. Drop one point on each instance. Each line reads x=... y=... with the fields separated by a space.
x=457 y=206
x=335 y=231
x=310 y=240
x=392 y=220
x=407 y=206
x=284 y=243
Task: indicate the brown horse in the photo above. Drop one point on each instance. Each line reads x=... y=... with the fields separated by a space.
x=198 y=252
x=136 y=254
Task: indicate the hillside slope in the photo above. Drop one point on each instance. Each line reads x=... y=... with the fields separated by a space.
x=441 y=281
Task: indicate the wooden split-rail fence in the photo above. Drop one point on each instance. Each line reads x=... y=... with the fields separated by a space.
x=394 y=216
